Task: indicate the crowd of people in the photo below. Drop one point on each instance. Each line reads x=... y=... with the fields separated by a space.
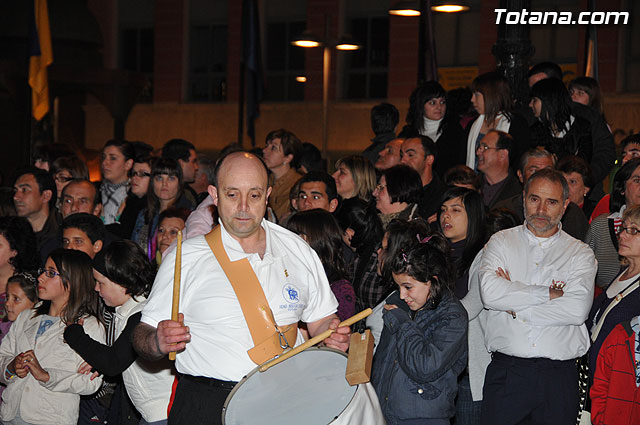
x=479 y=233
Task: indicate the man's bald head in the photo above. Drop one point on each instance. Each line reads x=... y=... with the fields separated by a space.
x=239 y=157
x=241 y=193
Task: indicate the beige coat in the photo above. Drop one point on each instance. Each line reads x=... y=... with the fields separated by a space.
x=54 y=402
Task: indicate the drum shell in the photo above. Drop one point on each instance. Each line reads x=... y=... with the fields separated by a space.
x=308 y=388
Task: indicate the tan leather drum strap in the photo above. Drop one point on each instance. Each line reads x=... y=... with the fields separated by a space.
x=266 y=335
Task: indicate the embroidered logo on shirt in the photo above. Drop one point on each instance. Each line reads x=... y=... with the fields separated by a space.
x=291 y=293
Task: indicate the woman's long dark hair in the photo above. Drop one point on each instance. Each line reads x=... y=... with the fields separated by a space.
x=555 y=113
x=474 y=240
x=323 y=233
x=363 y=219
x=419 y=97
x=159 y=167
x=76 y=274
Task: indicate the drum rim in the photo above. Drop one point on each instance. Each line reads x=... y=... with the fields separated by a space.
x=256 y=369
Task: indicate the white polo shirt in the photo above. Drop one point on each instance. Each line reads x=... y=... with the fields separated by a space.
x=290 y=274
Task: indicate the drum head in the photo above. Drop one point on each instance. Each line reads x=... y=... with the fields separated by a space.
x=309 y=388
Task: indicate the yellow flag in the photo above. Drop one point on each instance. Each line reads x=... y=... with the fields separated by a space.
x=41 y=57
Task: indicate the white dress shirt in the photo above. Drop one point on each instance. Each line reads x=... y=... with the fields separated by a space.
x=553 y=329
x=290 y=273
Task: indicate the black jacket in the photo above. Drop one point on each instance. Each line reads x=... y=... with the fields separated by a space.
x=577 y=141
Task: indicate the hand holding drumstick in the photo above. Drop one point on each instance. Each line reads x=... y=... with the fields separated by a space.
x=317 y=339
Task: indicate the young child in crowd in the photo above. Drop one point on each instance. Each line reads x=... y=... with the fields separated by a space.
x=21 y=295
x=423 y=347
x=615 y=393
x=123 y=276
x=84 y=232
x=39 y=369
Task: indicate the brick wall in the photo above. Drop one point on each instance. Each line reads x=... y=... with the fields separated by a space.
x=403 y=56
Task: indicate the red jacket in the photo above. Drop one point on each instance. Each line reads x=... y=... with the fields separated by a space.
x=615 y=398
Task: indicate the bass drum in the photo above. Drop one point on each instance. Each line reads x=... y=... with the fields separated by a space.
x=309 y=388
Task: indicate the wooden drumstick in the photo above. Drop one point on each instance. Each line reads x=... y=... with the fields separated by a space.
x=175 y=306
x=316 y=339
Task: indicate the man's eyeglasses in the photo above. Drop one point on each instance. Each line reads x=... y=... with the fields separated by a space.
x=483 y=147
x=140 y=174
x=50 y=273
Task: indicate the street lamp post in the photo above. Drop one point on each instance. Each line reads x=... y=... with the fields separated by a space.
x=309 y=41
x=426 y=37
x=513 y=50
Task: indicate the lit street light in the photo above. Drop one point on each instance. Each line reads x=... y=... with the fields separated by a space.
x=308 y=40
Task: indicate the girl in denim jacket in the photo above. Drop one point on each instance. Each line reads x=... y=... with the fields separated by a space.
x=423 y=347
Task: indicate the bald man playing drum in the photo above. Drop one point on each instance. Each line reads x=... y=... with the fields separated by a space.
x=212 y=338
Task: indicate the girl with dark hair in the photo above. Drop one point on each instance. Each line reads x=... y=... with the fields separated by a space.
x=556 y=129
x=21 y=295
x=586 y=91
x=136 y=201
x=41 y=371
x=601 y=236
x=397 y=194
x=123 y=279
x=423 y=347
x=321 y=231
x=165 y=191
x=492 y=100
x=428 y=116
x=117 y=160
x=18 y=252
x=398 y=235
x=362 y=233
x=461 y=220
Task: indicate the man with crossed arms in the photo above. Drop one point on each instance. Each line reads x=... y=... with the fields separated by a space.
x=536 y=282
